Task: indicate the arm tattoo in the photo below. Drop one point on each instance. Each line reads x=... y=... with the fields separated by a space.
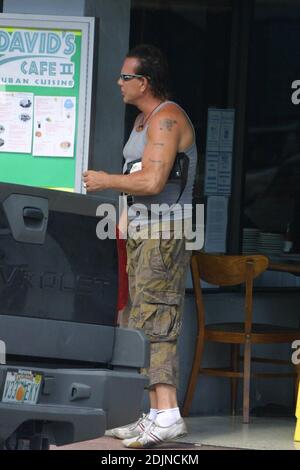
x=155 y=161
x=167 y=124
x=158 y=144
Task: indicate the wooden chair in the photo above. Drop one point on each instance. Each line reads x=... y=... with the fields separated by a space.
x=225 y=270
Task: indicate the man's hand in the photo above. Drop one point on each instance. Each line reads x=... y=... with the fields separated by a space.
x=95 y=180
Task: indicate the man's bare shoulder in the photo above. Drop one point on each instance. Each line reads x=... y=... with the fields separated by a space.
x=167 y=118
x=171 y=109
x=169 y=112
x=172 y=120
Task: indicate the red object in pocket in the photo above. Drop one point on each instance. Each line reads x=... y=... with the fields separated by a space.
x=123 y=278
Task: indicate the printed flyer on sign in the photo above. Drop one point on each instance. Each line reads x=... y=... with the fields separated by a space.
x=54 y=126
x=16 y=122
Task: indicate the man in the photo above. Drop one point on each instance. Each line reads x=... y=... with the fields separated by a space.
x=156 y=266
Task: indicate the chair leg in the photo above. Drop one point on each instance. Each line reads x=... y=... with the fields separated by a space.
x=246 y=384
x=235 y=352
x=193 y=376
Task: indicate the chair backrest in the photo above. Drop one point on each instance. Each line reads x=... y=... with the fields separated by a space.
x=227 y=270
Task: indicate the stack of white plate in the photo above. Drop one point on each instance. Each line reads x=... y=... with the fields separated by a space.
x=250 y=240
x=270 y=243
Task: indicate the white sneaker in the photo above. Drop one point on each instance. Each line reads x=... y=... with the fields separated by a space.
x=156 y=434
x=131 y=430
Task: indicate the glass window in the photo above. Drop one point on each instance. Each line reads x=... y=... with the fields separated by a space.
x=272 y=160
x=195 y=36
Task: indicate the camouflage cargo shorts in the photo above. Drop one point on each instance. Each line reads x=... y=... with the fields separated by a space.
x=157 y=273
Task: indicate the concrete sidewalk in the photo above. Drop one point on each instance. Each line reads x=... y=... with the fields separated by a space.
x=109 y=443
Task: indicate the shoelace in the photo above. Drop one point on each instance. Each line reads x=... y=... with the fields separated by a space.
x=142 y=418
x=148 y=433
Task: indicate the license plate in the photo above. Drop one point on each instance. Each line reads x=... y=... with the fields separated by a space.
x=21 y=386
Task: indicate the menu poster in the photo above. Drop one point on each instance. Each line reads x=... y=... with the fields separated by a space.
x=216 y=224
x=224 y=173
x=54 y=126
x=213 y=130
x=16 y=122
x=219 y=148
x=227 y=130
x=211 y=172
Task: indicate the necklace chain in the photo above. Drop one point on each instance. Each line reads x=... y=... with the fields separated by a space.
x=142 y=125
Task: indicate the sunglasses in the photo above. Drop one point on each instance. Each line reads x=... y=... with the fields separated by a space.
x=129 y=76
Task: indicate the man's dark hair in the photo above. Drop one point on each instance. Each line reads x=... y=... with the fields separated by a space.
x=154 y=66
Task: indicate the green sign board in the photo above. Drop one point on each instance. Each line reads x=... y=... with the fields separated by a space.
x=41 y=74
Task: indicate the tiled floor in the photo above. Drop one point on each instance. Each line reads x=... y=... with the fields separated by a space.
x=219 y=432
x=260 y=434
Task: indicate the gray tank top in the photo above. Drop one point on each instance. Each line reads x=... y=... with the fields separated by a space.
x=134 y=150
